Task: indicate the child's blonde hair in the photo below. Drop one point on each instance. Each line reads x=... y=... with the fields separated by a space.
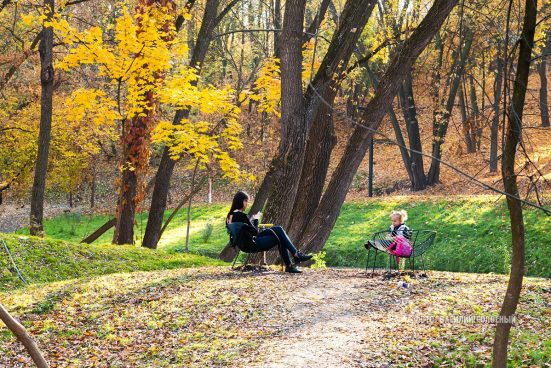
x=402 y=214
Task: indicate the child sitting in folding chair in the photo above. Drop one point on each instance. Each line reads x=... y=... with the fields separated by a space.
x=255 y=241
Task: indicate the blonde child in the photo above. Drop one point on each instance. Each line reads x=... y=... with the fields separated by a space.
x=398 y=225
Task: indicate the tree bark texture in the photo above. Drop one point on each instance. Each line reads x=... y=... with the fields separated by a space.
x=290 y=155
x=512 y=140
x=46 y=108
x=542 y=71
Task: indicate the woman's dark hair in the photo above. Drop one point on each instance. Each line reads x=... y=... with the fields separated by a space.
x=237 y=202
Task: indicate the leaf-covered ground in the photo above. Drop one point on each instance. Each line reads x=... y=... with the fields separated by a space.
x=322 y=318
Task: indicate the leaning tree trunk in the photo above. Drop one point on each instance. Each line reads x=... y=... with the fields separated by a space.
x=512 y=140
x=22 y=335
x=320 y=226
x=166 y=166
x=46 y=109
x=320 y=97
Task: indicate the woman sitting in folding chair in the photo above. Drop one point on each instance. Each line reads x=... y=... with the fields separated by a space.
x=253 y=241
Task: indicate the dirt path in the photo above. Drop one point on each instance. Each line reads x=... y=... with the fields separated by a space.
x=329 y=321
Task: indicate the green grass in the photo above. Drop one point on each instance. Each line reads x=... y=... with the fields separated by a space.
x=473 y=233
x=48 y=260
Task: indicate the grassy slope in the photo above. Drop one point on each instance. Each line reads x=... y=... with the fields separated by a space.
x=52 y=260
x=473 y=233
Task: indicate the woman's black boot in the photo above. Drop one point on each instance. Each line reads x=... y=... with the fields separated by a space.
x=292 y=269
x=301 y=257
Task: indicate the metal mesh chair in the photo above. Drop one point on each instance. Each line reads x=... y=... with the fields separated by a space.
x=420 y=240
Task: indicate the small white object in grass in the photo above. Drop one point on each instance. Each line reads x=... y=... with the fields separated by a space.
x=403 y=284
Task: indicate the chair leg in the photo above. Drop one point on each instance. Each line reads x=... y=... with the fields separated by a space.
x=423 y=266
x=367 y=263
x=374 y=261
x=235 y=259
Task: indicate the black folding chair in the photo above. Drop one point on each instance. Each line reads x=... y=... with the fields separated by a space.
x=235 y=230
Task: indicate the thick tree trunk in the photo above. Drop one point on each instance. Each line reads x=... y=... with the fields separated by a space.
x=287 y=163
x=166 y=166
x=441 y=120
x=320 y=226
x=512 y=139
x=321 y=137
x=46 y=109
x=290 y=156
x=22 y=335
x=321 y=142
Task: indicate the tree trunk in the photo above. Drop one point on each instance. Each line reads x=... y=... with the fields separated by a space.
x=475 y=116
x=406 y=158
x=290 y=156
x=22 y=335
x=321 y=137
x=441 y=120
x=512 y=139
x=135 y=146
x=189 y=205
x=277 y=25
x=321 y=142
x=414 y=136
x=494 y=136
x=287 y=164
x=93 y=185
x=542 y=71
x=320 y=226
x=166 y=166
x=126 y=209
x=46 y=109
x=465 y=121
